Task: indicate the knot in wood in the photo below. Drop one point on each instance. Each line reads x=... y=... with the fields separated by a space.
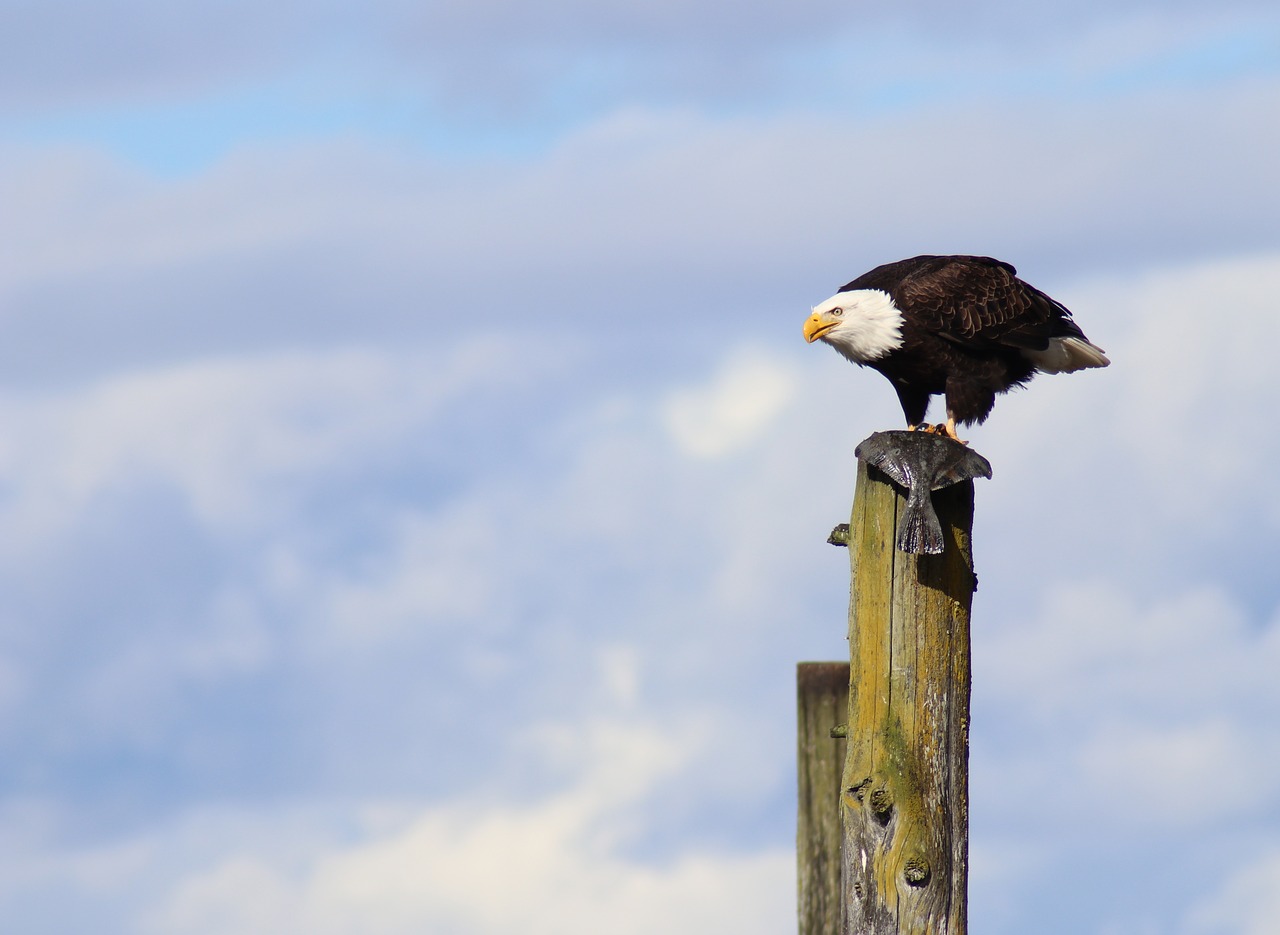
x=917 y=871
x=860 y=789
x=882 y=805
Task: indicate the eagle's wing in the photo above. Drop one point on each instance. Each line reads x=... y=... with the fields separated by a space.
x=980 y=302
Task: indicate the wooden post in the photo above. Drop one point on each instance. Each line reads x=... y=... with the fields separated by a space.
x=822 y=706
x=904 y=798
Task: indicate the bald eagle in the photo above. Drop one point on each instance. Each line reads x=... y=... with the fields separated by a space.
x=965 y=327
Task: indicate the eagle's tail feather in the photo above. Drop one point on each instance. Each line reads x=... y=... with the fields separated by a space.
x=1065 y=354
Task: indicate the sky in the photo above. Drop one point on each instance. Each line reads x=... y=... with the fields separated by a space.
x=415 y=485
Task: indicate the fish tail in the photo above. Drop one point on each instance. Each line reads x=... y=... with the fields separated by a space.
x=919 y=531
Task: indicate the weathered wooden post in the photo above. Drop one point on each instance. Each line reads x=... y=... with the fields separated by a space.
x=822 y=703
x=903 y=795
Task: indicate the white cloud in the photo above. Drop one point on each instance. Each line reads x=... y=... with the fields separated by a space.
x=499 y=864
x=658 y=214
x=620 y=669
x=1203 y=342
x=1144 y=772
x=607 y=561
x=437 y=569
x=1119 y=707
x=737 y=407
x=1130 y=653
x=233 y=435
x=649 y=548
x=74 y=53
x=1247 y=903
x=1154 y=459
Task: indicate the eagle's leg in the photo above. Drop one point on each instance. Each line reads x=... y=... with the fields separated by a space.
x=968 y=401
x=914 y=405
x=949 y=429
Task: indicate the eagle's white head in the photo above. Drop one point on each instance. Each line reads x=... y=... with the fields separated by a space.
x=862 y=324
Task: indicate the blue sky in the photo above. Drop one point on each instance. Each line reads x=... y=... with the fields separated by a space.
x=411 y=467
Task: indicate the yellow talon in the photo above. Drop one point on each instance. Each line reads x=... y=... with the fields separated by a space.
x=949 y=430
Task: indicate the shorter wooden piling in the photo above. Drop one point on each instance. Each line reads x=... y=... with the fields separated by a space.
x=822 y=702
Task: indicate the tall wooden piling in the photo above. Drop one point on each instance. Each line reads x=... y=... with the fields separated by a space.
x=903 y=800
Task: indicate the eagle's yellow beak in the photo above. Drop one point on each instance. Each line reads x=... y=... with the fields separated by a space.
x=816 y=325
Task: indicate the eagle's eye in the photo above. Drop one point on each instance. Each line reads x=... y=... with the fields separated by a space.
x=837 y=312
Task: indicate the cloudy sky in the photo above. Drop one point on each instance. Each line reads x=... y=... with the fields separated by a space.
x=414 y=485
